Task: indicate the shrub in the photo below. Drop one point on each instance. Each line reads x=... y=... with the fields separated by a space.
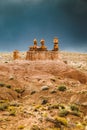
x=35 y=127
x=12 y=111
x=55 y=106
x=74 y=107
x=61 y=120
x=63 y=112
x=19 y=90
x=8 y=86
x=76 y=113
x=21 y=127
x=2 y=84
x=62 y=106
x=62 y=88
x=3 y=106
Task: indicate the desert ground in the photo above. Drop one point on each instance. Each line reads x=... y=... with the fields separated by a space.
x=43 y=95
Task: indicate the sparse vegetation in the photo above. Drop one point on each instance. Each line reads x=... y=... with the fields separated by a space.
x=12 y=111
x=74 y=107
x=19 y=90
x=62 y=88
x=43 y=99
x=21 y=127
x=35 y=127
x=3 y=106
x=63 y=112
x=2 y=84
x=76 y=113
x=61 y=120
x=8 y=86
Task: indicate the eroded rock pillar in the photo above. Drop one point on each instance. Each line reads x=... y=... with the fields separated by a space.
x=43 y=47
x=55 y=41
x=16 y=55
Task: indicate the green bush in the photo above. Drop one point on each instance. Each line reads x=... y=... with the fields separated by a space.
x=12 y=111
x=61 y=120
x=21 y=127
x=76 y=113
x=8 y=86
x=19 y=90
x=74 y=107
x=63 y=113
x=3 y=106
x=2 y=84
x=62 y=88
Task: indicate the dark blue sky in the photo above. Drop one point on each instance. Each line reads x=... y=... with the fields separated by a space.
x=23 y=20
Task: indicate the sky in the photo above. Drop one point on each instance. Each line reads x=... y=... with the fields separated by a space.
x=23 y=20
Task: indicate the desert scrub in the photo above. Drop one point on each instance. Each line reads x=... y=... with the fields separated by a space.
x=3 y=101
x=2 y=84
x=74 y=110
x=21 y=127
x=80 y=126
x=34 y=127
x=3 y=106
x=53 y=128
x=62 y=88
x=12 y=111
x=45 y=114
x=62 y=106
x=61 y=120
x=19 y=90
x=63 y=113
x=74 y=107
x=37 y=107
x=76 y=113
x=52 y=79
x=8 y=86
x=55 y=106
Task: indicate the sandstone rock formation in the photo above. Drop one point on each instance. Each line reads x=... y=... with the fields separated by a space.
x=41 y=53
x=16 y=55
x=55 y=41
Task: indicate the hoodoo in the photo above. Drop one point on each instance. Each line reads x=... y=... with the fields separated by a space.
x=41 y=52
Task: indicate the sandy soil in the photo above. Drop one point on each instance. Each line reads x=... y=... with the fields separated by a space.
x=31 y=97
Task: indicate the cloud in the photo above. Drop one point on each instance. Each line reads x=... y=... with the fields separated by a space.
x=44 y=18
x=6 y=2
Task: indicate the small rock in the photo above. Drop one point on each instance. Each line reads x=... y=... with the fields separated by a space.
x=44 y=88
x=84 y=104
x=33 y=92
x=65 y=61
x=53 y=91
x=86 y=128
x=11 y=77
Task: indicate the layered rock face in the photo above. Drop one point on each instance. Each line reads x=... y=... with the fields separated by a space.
x=41 y=53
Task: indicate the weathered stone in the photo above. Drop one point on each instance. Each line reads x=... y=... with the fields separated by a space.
x=43 y=47
x=55 y=41
x=16 y=55
x=44 y=88
x=41 y=53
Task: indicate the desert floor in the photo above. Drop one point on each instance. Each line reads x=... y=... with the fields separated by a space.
x=43 y=95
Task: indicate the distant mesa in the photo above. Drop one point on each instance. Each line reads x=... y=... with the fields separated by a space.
x=41 y=52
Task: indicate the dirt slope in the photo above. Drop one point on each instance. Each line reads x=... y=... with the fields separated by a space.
x=30 y=97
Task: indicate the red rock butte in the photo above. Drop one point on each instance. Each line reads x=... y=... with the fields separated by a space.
x=36 y=52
